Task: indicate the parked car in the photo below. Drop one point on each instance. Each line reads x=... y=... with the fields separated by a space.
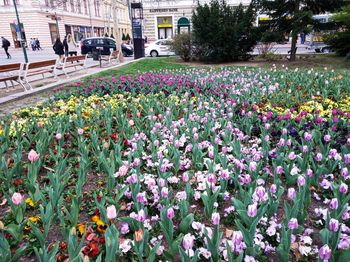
x=105 y=43
x=159 y=48
x=320 y=48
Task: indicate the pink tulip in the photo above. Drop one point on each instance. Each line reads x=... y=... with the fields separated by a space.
x=33 y=156
x=111 y=212
x=80 y=131
x=17 y=198
x=58 y=136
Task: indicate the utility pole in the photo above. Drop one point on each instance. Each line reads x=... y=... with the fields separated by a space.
x=20 y=33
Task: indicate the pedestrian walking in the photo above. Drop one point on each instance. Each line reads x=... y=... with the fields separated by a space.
x=65 y=45
x=72 y=46
x=59 y=49
x=5 y=44
x=32 y=44
x=37 y=44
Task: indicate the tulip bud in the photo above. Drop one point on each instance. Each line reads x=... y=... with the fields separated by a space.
x=73 y=231
x=2 y=226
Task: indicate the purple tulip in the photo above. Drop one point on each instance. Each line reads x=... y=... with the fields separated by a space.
x=188 y=241
x=307 y=136
x=279 y=170
x=325 y=253
x=318 y=157
x=333 y=225
x=301 y=181
x=293 y=223
x=333 y=204
x=124 y=229
x=252 y=210
x=343 y=188
x=170 y=213
x=215 y=218
x=309 y=173
x=291 y=193
x=141 y=216
x=273 y=189
x=327 y=138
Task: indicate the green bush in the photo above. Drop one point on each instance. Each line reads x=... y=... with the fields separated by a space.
x=182 y=45
x=223 y=33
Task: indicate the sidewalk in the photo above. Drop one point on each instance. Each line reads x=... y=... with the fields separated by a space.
x=9 y=100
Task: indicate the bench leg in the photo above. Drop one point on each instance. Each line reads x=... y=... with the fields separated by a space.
x=27 y=83
x=21 y=83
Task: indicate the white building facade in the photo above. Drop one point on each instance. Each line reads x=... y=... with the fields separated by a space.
x=165 y=18
x=48 y=19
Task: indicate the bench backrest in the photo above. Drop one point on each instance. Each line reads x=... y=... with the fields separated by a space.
x=10 y=67
x=40 y=64
x=75 y=58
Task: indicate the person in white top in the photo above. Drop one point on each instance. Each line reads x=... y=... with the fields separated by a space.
x=72 y=46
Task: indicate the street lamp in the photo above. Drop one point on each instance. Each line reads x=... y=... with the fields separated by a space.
x=21 y=33
x=137 y=21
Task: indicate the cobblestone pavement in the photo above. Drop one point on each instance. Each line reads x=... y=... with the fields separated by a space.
x=8 y=108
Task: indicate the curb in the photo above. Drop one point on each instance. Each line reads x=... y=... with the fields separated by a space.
x=19 y=96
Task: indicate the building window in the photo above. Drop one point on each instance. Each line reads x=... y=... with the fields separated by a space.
x=79 y=6
x=72 y=6
x=6 y=2
x=97 y=7
x=65 y=5
x=85 y=7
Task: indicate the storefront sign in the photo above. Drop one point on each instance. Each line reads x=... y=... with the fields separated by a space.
x=163 y=10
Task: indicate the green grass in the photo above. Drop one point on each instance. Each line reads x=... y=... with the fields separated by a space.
x=144 y=65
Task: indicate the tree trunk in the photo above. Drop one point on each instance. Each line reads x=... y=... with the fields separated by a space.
x=293 y=49
x=117 y=37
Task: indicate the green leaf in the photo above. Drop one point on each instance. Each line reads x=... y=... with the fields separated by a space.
x=186 y=223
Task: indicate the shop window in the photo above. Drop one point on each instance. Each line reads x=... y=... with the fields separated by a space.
x=165 y=27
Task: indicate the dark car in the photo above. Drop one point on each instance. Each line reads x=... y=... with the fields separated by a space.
x=105 y=44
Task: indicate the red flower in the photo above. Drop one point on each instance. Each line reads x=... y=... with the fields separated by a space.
x=18 y=182
x=113 y=137
x=94 y=249
x=102 y=239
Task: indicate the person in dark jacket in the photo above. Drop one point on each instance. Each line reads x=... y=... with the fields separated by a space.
x=58 y=48
x=5 y=44
x=65 y=45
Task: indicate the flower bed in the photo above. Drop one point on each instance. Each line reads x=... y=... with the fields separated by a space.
x=179 y=165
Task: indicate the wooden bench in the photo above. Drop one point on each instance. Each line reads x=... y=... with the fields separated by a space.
x=40 y=68
x=113 y=55
x=74 y=61
x=11 y=73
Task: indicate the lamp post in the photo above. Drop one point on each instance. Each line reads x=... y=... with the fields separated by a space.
x=137 y=21
x=20 y=33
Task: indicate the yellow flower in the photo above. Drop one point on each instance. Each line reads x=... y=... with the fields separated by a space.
x=95 y=219
x=30 y=202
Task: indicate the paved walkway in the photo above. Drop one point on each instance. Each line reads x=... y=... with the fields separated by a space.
x=14 y=99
